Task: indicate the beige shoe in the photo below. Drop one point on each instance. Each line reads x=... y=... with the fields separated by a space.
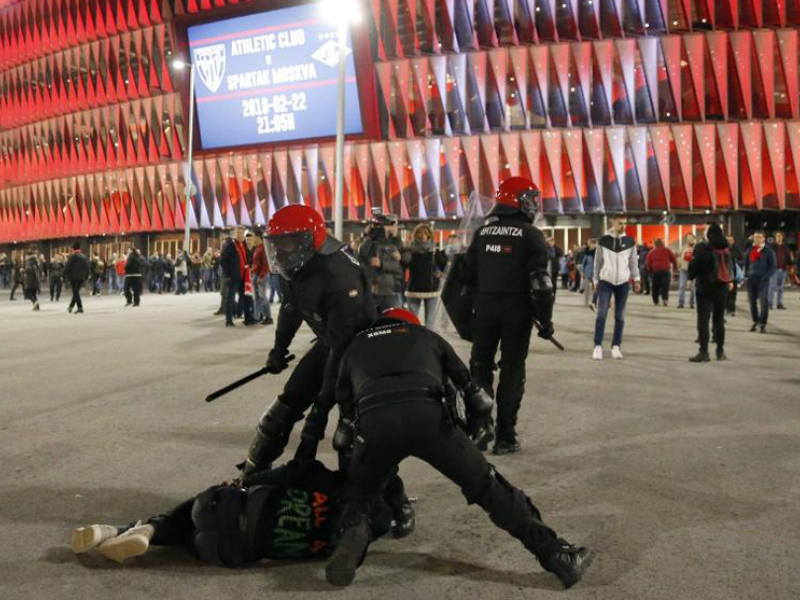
x=133 y=542
x=86 y=538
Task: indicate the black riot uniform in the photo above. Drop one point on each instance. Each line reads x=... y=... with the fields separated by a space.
x=393 y=377
x=506 y=264
x=331 y=295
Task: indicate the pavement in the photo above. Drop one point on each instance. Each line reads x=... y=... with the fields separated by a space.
x=684 y=478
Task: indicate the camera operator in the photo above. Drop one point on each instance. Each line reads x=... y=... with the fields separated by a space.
x=380 y=255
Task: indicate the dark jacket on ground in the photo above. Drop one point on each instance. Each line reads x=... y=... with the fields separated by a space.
x=760 y=265
x=133 y=266
x=702 y=269
x=77 y=267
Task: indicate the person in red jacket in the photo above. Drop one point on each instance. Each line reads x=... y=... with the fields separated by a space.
x=659 y=261
x=263 y=313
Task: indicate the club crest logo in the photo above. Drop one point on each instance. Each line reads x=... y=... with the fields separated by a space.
x=210 y=63
x=328 y=53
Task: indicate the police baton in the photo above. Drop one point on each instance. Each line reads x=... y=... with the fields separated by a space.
x=240 y=382
x=552 y=340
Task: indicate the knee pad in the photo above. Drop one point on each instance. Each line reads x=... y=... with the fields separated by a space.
x=272 y=434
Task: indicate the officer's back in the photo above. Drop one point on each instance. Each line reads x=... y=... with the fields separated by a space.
x=503 y=253
x=395 y=356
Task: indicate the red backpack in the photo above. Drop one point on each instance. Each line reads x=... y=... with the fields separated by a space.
x=723 y=266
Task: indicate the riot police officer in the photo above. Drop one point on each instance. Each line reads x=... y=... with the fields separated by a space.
x=325 y=287
x=392 y=379
x=506 y=264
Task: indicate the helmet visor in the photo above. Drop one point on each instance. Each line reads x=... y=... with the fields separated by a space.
x=530 y=204
x=287 y=253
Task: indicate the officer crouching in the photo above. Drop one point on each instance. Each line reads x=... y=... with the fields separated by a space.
x=392 y=380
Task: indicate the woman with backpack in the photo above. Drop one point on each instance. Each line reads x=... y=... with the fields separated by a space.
x=425 y=266
x=713 y=272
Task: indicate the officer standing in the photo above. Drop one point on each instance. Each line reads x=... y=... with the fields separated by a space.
x=506 y=264
x=392 y=378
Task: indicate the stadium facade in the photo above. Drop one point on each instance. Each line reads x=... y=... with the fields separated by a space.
x=666 y=109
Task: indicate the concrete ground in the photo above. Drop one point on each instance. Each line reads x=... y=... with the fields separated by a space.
x=684 y=478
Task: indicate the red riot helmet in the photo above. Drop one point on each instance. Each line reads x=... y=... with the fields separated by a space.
x=294 y=234
x=400 y=314
x=518 y=194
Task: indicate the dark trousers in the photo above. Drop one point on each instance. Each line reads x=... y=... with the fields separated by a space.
x=661 y=281
x=505 y=321
x=730 y=301
x=234 y=301
x=76 y=294
x=55 y=288
x=297 y=396
x=30 y=294
x=386 y=435
x=14 y=287
x=133 y=289
x=758 y=293
x=646 y=276
x=175 y=527
x=710 y=303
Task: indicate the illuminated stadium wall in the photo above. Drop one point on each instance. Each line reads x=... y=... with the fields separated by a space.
x=638 y=105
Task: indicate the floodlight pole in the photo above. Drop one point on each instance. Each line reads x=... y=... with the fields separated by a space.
x=188 y=185
x=338 y=204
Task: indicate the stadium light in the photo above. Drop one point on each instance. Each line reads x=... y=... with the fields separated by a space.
x=179 y=65
x=343 y=13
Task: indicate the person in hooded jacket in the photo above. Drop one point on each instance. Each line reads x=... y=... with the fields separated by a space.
x=32 y=280
x=713 y=271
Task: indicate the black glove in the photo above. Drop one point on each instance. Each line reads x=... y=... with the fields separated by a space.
x=278 y=360
x=546 y=330
x=478 y=405
x=316 y=422
x=307 y=450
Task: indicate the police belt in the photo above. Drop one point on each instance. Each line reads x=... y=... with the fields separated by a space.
x=367 y=403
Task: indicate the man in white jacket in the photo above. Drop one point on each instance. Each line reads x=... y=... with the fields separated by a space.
x=616 y=263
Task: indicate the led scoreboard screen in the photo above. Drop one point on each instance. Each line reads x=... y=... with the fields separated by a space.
x=271 y=77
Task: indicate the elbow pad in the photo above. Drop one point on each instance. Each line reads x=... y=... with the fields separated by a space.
x=542 y=296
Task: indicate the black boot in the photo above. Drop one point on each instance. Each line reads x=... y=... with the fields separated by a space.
x=567 y=562
x=403 y=520
x=701 y=357
x=721 y=354
x=349 y=554
x=506 y=444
